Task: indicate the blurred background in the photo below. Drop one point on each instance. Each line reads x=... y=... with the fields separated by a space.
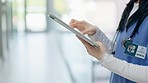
x=35 y=49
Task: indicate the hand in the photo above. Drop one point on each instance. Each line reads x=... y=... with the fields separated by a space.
x=97 y=53
x=83 y=26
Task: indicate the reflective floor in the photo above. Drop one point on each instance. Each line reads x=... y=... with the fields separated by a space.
x=48 y=58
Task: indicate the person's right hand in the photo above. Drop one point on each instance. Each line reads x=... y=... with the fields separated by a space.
x=83 y=26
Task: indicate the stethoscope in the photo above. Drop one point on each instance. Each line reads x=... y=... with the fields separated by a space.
x=124 y=42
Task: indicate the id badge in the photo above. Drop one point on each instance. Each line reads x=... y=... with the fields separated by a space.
x=136 y=50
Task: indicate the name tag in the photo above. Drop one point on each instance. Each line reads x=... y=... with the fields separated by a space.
x=136 y=50
x=141 y=52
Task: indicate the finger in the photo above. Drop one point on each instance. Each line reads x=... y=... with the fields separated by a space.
x=75 y=24
x=73 y=21
x=86 y=44
x=83 y=41
x=87 y=31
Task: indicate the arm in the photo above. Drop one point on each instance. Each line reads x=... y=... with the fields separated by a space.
x=130 y=71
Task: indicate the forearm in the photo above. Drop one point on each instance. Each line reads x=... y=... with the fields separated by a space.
x=130 y=71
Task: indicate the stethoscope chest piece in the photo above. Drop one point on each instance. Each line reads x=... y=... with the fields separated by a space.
x=125 y=42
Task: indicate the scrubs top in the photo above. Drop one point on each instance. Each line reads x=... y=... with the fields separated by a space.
x=141 y=38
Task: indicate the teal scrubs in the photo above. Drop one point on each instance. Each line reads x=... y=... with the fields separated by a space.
x=141 y=38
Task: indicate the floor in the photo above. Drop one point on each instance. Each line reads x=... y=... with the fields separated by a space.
x=48 y=58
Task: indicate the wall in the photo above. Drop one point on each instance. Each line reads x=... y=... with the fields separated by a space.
x=1 y=41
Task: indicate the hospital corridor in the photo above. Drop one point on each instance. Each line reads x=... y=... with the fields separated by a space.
x=36 y=49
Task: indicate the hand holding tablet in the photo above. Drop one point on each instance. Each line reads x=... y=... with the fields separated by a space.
x=73 y=30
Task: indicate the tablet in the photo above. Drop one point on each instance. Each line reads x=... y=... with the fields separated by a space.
x=73 y=30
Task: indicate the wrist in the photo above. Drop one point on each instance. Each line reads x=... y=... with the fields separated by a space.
x=103 y=57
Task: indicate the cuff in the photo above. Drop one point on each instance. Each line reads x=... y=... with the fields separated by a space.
x=106 y=58
x=94 y=37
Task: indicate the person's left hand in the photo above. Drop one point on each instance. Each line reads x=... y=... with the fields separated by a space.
x=97 y=53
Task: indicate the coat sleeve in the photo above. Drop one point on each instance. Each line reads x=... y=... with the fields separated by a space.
x=100 y=36
x=130 y=71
